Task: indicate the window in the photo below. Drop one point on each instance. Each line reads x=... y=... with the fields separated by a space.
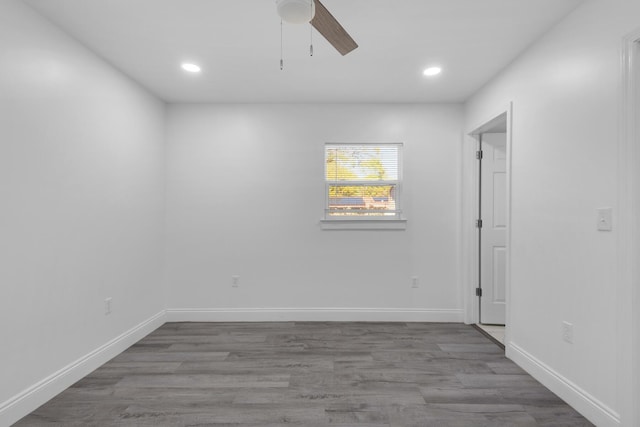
x=363 y=182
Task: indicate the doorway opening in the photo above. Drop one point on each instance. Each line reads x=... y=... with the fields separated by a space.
x=489 y=257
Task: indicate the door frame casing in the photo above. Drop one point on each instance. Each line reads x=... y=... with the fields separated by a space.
x=628 y=246
x=470 y=201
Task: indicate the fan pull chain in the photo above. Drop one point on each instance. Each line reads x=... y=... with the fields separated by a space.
x=281 y=60
x=310 y=28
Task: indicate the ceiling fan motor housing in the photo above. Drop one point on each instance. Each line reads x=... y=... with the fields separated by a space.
x=296 y=11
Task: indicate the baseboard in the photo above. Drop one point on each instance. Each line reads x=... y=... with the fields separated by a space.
x=313 y=314
x=590 y=407
x=30 y=399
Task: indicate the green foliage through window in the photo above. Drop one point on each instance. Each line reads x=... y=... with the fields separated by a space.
x=362 y=179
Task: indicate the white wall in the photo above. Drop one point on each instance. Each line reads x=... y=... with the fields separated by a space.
x=81 y=170
x=81 y=184
x=245 y=196
x=566 y=99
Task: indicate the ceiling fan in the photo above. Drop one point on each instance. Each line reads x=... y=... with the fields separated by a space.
x=302 y=11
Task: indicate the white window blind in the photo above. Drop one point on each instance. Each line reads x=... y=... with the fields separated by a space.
x=363 y=181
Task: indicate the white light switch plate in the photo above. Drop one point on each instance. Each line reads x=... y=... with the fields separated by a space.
x=605 y=221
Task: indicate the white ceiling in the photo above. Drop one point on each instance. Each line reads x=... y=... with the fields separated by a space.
x=237 y=42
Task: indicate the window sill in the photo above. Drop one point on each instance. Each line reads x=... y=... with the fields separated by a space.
x=363 y=224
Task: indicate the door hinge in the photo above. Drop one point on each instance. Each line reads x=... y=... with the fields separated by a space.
x=478 y=223
x=478 y=292
x=479 y=155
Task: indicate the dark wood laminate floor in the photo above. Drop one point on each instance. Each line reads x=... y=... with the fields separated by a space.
x=308 y=374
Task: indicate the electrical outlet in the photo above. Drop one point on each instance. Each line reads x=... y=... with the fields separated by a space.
x=414 y=282
x=567 y=332
x=235 y=281
x=107 y=306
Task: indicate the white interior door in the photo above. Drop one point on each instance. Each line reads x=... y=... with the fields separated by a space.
x=494 y=228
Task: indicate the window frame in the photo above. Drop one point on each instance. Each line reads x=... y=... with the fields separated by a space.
x=397 y=221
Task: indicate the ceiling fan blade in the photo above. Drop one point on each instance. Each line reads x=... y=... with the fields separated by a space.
x=330 y=28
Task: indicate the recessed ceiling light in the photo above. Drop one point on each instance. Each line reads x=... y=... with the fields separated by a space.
x=192 y=68
x=432 y=71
